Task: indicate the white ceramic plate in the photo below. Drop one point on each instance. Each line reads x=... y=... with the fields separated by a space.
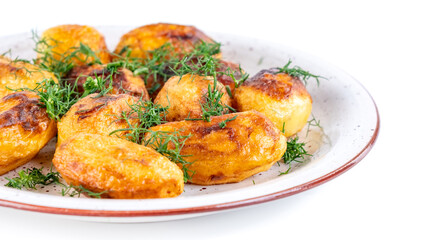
x=345 y=109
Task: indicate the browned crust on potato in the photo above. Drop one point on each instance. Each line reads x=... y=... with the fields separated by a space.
x=278 y=86
x=245 y=146
x=97 y=115
x=150 y=37
x=27 y=112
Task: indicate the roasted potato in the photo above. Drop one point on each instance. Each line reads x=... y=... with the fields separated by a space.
x=279 y=96
x=63 y=40
x=149 y=37
x=228 y=153
x=25 y=128
x=223 y=68
x=119 y=168
x=98 y=115
x=19 y=74
x=123 y=81
x=184 y=96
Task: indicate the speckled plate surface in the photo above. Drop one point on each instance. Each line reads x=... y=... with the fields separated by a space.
x=347 y=114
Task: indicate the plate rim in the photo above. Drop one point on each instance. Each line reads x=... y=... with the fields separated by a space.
x=212 y=207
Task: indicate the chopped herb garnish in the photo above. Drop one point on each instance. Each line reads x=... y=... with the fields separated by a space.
x=58 y=98
x=295 y=151
x=170 y=144
x=29 y=178
x=297 y=71
x=224 y=123
x=148 y=115
x=73 y=191
x=313 y=123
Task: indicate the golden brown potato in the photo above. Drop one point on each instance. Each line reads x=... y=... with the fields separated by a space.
x=185 y=95
x=64 y=39
x=18 y=74
x=280 y=97
x=123 y=81
x=96 y=115
x=121 y=168
x=247 y=145
x=149 y=37
x=223 y=67
x=25 y=128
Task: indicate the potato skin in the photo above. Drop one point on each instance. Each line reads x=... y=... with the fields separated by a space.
x=25 y=129
x=150 y=37
x=122 y=168
x=65 y=37
x=184 y=95
x=124 y=82
x=18 y=74
x=96 y=115
x=245 y=146
x=280 y=97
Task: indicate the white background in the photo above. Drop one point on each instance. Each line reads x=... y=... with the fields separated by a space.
x=383 y=44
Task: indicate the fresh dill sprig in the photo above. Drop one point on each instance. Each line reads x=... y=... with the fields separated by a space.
x=295 y=151
x=58 y=99
x=170 y=144
x=297 y=71
x=29 y=178
x=73 y=191
x=313 y=122
x=224 y=123
x=237 y=82
x=212 y=105
x=148 y=115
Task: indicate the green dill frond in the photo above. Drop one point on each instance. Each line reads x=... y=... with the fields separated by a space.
x=29 y=178
x=237 y=82
x=313 y=122
x=170 y=144
x=58 y=99
x=73 y=191
x=295 y=151
x=297 y=71
x=148 y=115
x=224 y=123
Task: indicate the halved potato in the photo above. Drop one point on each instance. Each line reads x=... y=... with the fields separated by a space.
x=19 y=74
x=227 y=152
x=123 y=80
x=119 y=168
x=279 y=96
x=184 y=96
x=25 y=128
x=98 y=115
x=149 y=37
x=61 y=41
